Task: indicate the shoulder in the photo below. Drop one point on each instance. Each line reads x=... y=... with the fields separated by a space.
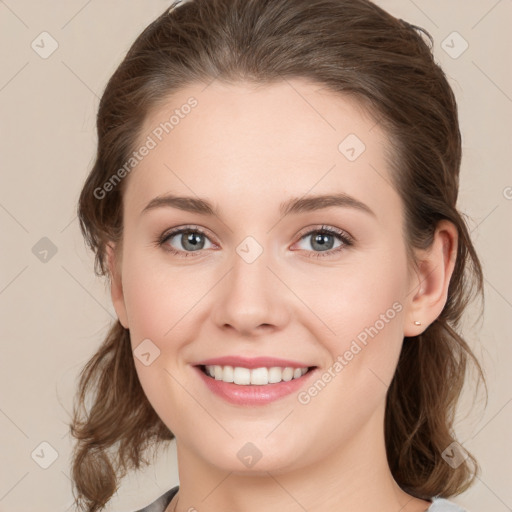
x=160 y=504
x=442 y=505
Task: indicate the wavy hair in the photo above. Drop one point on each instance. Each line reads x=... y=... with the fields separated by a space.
x=351 y=47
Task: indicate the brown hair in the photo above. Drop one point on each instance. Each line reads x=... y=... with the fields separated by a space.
x=351 y=47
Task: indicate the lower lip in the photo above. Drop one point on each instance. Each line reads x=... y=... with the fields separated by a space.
x=253 y=395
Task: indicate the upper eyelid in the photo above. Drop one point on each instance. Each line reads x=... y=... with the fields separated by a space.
x=179 y=229
x=325 y=227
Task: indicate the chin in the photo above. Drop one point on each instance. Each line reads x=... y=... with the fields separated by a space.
x=257 y=457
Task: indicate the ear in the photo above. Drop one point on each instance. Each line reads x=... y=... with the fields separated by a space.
x=432 y=279
x=116 y=284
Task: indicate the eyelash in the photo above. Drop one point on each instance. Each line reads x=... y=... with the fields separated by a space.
x=344 y=237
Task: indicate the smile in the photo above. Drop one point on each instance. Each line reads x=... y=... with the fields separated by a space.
x=261 y=385
x=256 y=376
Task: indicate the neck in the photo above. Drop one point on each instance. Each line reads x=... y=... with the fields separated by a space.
x=354 y=477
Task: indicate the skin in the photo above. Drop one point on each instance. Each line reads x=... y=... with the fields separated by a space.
x=246 y=149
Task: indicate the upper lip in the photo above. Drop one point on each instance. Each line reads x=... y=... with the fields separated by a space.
x=252 y=362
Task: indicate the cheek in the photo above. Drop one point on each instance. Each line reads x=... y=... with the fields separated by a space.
x=356 y=296
x=361 y=310
x=362 y=355
x=154 y=305
x=155 y=297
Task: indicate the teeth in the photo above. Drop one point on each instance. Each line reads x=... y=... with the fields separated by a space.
x=256 y=376
x=259 y=376
x=240 y=375
x=227 y=374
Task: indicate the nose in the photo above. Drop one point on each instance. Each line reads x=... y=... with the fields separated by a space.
x=252 y=300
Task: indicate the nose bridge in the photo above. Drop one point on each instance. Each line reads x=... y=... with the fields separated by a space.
x=251 y=296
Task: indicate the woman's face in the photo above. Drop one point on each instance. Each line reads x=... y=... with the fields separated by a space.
x=259 y=280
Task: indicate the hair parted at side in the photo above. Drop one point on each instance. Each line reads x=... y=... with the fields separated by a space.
x=352 y=47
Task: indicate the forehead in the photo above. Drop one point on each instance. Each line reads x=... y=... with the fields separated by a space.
x=246 y=113
x=260 y=144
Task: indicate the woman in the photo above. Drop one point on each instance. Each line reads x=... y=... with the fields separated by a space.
x=274 y=204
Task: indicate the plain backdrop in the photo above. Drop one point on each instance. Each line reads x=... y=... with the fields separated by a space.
x=54 y=312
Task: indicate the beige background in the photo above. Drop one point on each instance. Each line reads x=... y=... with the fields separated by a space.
x=54 y=314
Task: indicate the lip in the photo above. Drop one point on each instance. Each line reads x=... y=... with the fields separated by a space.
x=252 y=395
x=252 y=362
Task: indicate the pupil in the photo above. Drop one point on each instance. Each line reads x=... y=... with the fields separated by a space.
x=321 y=239
x=193 y=239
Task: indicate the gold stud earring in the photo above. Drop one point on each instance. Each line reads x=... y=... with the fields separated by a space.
x=417 y=323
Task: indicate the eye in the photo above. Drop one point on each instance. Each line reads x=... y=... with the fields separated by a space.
x=190 y=238
x=186 y=240
x=324 y=239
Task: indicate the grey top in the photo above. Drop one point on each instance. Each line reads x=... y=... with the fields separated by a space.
x=159 y=505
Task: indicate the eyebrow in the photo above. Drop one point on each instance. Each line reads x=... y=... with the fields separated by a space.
x=294 y=205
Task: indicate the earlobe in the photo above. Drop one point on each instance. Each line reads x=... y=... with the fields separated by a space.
x=116 y=284
x=436 y=265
